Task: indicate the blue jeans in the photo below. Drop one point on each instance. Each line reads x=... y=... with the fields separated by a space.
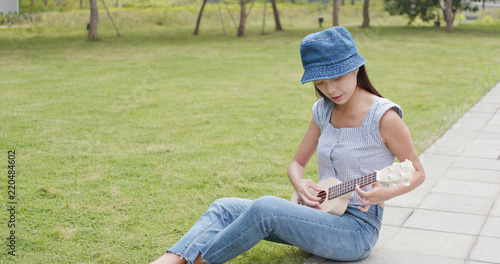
x=231 y=226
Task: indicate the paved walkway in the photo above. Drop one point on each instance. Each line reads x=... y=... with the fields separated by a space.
x=454 y=216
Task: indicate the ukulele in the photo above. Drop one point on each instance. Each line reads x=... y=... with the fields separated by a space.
x=336 y=194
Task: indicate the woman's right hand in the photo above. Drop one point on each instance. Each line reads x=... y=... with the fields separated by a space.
x=302 y=187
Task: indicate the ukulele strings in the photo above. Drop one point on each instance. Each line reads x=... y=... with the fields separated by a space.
x=348 y=186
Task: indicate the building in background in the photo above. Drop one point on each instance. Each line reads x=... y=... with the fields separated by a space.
x=9 y=6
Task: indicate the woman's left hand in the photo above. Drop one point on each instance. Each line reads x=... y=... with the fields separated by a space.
x=373 y=196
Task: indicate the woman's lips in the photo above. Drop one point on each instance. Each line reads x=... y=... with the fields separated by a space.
x=336 y=99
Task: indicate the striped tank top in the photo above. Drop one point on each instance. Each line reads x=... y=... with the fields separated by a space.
x=349 y=153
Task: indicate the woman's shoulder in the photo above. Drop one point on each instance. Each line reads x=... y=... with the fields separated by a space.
x=323 y=105
x=382 y=105
x=321 y=111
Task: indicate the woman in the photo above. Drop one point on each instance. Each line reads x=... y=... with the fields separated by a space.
x=354 y=131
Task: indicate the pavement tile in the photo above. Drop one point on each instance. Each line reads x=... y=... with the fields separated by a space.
x=481 y=152
x=491 y=227
x=386 y=256
x=492 y=128
x=446 y=222
x=486 y=107
x=473 y=121
x=463 y=136
x=477 y=163
x=484 y=143
x=409 y=200
x=396 y=216
x=386 y=234
x=486 y=249
x=431 y=243
x=495 y=120
x=477 y=175
x=489 y=136
x=495 y=211
x=435 y=165
x=452 y=142
x=457 y=203
x=467 y=188
x=448 y=146
x=319 y=260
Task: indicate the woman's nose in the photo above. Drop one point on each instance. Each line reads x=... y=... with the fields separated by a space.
x=331 y=87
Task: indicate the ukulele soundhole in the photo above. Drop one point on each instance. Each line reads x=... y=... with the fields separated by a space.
x=322 y=195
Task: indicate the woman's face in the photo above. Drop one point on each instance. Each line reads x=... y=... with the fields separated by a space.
x=339 y=89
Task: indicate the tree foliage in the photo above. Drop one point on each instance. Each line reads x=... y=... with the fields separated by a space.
x=424 y=9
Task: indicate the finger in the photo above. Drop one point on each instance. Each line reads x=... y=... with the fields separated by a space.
x=311 y=197
x=363 y=200
x=311 y=204
x=364 y=209
x=315 y=187
x=360 y=192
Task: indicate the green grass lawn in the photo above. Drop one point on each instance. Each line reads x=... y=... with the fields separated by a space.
x=123 y=143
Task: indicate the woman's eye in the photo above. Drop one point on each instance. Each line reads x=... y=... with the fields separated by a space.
x=338 y=78
x=319 y=83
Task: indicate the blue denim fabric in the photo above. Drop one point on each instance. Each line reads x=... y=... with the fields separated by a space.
x=232 y=226
x=329 y=54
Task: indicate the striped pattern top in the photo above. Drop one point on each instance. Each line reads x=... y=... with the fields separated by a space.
x=349 y=153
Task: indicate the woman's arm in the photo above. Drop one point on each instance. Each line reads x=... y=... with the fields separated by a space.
x=397 y=138
x=296 y=169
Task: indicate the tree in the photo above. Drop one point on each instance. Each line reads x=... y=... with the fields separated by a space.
x=243 y=17
x=197 y=28
x=276 y=16
x=449 y=17
x=449 y=13
x=335 y=13
x=425 y=8
x=94 y=19
x=366 y=15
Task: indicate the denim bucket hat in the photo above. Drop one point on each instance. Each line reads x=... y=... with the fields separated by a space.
x=329 y=54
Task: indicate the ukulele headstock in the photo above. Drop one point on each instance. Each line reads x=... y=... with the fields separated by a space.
x=395 y=173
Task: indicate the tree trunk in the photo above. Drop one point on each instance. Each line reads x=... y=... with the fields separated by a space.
x=335 y=13
x=94 y=19
x=243 y=16
x=276 y=16
x=264 y=17
x=198 y=21
x=449 y=16
x=352 y=2
x=366 y=14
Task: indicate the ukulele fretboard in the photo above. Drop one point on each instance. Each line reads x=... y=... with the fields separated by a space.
x=349 y=186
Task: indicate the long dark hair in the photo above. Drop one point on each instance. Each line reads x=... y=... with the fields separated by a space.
x=363 y=82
